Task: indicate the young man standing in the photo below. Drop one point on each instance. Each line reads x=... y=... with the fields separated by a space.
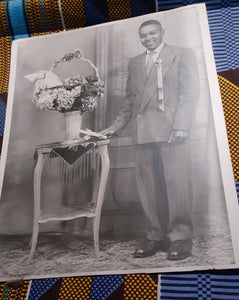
x=162 y=91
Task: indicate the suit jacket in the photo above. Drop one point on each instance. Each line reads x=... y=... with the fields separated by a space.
x=180 y=91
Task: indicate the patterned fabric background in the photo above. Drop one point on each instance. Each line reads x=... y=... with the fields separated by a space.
x=208 y=286
x=24 y=18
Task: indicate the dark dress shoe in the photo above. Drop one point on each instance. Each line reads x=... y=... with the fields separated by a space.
x=180 y=249
x=149 y=248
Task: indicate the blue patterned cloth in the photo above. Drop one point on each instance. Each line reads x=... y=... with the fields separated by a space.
x=103 y=286
x=211 y=4
x=2 y=116
x=16 y=19
x=224 y=28
x=40 y=286
x=223 y=17
x=237 y=188
x=201 y=286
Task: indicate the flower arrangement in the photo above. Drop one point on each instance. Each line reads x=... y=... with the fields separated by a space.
x=76 y=93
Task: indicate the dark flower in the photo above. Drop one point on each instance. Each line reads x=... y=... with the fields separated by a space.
x=91 y=78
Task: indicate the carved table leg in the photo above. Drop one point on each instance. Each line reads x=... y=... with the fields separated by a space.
x=105 y=165
x=37 y=202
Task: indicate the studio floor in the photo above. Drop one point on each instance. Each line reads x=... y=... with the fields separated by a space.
x=70 y=254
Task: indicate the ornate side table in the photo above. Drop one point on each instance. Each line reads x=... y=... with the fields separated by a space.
x=78 y=158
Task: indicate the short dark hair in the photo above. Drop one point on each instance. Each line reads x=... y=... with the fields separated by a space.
x=151 y=22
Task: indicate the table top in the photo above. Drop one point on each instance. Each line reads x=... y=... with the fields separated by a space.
x=71 y=144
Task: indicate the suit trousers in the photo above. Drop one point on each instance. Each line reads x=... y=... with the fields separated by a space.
x=164 y=182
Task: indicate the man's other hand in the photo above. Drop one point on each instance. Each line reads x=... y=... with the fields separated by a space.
x=178 y=137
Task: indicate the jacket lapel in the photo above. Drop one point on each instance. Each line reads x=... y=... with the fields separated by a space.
x=166 y=56
x=140 y=69
x=151 y=82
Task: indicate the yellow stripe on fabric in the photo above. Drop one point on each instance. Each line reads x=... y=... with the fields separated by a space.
x=139 y=286
x=119 y=9
x=73 y=13
x=35 y=17
x=5 y=57
x=18 y=293
x=52 y=14
x=230 y=97
x=75 y=288
x=5 y=50
x=4 y=27
x=3 y=287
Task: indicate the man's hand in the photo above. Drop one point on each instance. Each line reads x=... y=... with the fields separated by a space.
x=178 y=137
x=107 y=132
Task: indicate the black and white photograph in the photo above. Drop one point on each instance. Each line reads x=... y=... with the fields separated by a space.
x=115 y=155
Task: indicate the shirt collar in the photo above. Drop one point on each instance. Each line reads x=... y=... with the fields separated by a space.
x=157 y=50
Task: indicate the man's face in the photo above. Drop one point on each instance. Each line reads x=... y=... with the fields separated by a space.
x=151 y=36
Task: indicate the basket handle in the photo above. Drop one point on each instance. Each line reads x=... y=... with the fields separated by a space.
x=77 y=54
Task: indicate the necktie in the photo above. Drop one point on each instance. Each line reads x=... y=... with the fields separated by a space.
x=150 y=63
x=160 y=83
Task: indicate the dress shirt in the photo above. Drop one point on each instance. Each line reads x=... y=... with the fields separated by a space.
x=156 y=53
